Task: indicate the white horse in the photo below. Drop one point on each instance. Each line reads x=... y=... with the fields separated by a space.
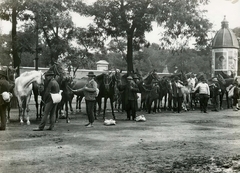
x=23 y=91
x=187 y=91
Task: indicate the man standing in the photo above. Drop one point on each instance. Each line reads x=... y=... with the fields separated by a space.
x=215 y=94
x=51 y=86
x=5 y=96
x=204 y=94
x=177 y=95
x=130 y=96
x=90 y=92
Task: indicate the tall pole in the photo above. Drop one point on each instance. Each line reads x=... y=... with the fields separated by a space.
x=36 y=58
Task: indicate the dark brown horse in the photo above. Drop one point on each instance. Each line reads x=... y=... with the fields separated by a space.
x=106 y=85
x=148 y=91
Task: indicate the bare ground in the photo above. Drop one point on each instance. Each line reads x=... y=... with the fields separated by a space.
x=166 y=142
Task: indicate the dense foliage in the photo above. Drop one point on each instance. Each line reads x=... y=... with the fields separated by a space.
x=47 y=34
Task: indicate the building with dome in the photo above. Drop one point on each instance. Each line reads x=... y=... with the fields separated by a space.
x=225 y=51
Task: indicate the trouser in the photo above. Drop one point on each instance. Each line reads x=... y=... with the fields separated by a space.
x=3 y=108
x=90 y=106
x=203 y=99
x=131 y=109
x=177 y=104
x=50 y=108
x=216 y=103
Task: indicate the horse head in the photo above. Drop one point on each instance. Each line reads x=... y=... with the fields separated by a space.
x=150 y=77
x=221 y=79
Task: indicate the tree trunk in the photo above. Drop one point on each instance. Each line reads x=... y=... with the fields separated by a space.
x=130 y=53
x=16 y=59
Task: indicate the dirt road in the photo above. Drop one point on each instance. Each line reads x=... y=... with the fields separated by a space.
x=166 y=142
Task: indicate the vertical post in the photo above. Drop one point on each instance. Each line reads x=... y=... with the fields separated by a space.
x=36 y=58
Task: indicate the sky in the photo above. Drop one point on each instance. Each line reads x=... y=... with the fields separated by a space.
x=217 y=9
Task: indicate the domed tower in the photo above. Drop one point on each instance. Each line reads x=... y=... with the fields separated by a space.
x=225 y=51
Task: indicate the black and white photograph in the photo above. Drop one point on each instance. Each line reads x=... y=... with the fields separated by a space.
x=120 y=86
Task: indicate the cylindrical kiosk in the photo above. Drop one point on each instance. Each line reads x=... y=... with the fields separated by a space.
x=225 y=51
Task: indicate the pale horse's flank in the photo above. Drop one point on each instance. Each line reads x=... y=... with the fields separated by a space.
x=23 y=91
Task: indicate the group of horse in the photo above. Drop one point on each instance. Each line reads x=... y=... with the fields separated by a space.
x=155 y=91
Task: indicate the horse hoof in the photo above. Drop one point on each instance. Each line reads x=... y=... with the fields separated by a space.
x=28 y=123
x=68 y=121
x=21 y=123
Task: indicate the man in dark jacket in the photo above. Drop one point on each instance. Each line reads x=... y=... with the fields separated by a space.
x=215 y=88
x=51 y=86
x=177 y=95
x=130 y=96
x=5 y=95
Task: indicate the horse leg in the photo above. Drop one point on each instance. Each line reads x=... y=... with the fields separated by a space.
x=41 y=108
x=77 y=105
x=221 y=100
x=36 y=104
x=105 y=107
x=155 y=105
x=80 y=103
x=66 y=109
x=27 y=109
x=8 y=112
x=111 y=102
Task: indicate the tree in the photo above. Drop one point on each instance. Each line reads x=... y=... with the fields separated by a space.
x=53 y=19
x=5 y=47
x=130 y=19
x=10 y=10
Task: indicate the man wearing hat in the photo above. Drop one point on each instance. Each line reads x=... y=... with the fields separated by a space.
x=90 y=92
x=215 y=88
x=5 y=95
x=177 y=95
x=51 y=86
x=130 y=91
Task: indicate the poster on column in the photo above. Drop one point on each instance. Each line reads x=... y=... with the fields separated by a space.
x=221 y=61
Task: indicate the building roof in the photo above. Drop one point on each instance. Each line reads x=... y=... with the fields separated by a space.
x=102 y=62
x=225 y=38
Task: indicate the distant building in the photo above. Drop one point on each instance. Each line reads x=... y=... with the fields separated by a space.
x=225 y=51
x=165 y=70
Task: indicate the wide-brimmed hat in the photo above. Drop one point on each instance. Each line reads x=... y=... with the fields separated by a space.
x=214 y=79
x=49 y=73
x=129 y=78
x=91 y=74
x=3 y=73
